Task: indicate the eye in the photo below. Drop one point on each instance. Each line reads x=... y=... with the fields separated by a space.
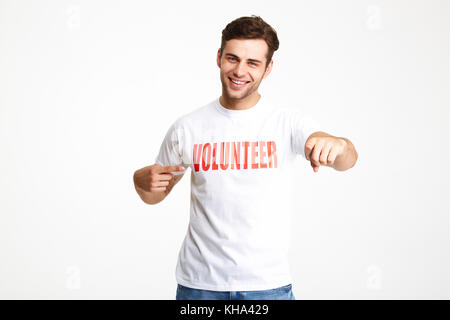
x=231 y=58
x=253 y=63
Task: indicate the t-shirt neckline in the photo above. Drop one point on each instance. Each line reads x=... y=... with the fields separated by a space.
x=240 y=113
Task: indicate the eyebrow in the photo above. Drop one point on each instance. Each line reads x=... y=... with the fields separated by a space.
x=233 y=55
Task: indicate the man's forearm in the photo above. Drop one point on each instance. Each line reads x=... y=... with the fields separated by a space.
x=347 y=159
x=146 y=196
x=150 y=197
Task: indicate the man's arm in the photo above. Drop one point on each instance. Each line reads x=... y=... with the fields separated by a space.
x=338 y=153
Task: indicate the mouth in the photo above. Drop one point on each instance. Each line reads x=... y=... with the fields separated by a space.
x=237 y=84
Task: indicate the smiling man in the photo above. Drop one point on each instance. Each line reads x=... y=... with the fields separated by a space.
x=241 y=149
x=243 y=65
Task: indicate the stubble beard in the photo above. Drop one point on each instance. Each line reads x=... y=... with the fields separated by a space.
x=237 y=94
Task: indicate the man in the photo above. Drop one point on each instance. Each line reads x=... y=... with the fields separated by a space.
x=241 y=151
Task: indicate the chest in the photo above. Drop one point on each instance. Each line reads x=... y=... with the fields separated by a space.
x=237 y=145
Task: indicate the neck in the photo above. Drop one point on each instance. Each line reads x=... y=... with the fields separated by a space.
x=239 y=104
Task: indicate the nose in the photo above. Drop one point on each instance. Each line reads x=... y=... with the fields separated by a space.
x=239 y=70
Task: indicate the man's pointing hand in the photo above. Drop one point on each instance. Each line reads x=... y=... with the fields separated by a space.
x=159 y=177
x=323 y=149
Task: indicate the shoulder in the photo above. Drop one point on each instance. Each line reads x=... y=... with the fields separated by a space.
x=295 y=114
x=195 y=115
x=288 y=114
x=280 y=109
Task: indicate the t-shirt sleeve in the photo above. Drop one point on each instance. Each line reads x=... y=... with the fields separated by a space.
x=303 y=125
x=170 y=152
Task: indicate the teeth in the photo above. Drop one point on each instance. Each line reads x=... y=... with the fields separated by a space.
x=237 y=82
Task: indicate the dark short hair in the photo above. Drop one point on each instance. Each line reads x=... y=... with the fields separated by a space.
x=253 y=27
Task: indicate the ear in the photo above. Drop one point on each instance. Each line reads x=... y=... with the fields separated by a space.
x=218 y=58
x=268 y=69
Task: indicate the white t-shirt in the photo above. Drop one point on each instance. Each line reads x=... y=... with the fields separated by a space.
x=241 y=166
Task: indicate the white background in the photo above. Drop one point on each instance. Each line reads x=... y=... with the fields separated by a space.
x=88 y=90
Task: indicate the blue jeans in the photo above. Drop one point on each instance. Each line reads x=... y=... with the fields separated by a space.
x=281 y=293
